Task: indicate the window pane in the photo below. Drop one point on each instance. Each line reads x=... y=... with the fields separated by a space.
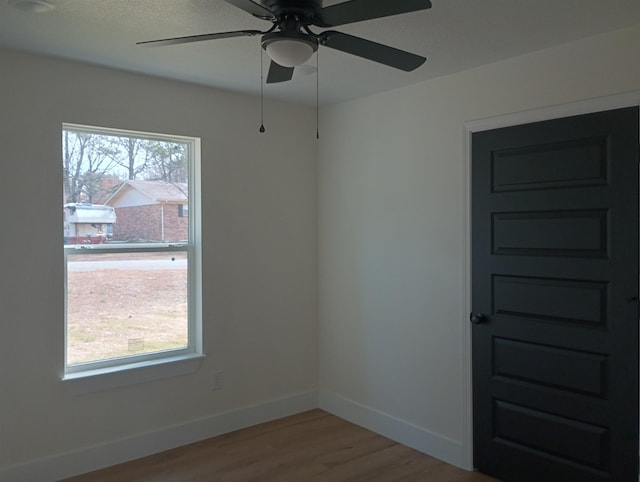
x=124 y=304
x=122 y=189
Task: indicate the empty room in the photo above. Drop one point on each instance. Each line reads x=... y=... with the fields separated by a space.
x=400 y=237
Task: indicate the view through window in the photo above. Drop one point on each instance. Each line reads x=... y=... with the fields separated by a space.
x=129 y=238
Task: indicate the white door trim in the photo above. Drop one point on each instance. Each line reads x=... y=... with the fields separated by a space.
x=628 y=99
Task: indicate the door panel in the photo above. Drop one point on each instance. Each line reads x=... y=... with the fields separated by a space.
x=566 y=300
x=569 y=163
x=555 y=272
x=581 y=233
x=557 y=368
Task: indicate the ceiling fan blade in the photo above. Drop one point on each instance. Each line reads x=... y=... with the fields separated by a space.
x=253 y=8
x=359 y=10
x=371 y=50
x=278 y=73
x=199 y=38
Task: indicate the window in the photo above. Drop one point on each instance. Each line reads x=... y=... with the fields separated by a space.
x=132 y=258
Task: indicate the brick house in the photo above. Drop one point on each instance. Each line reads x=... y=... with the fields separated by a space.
x=150 y=211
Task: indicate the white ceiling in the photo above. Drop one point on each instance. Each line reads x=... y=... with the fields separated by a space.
x=454 y=35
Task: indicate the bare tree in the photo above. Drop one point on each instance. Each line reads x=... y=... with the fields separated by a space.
x=129 y=154
x=166 y=162
x=87 y=159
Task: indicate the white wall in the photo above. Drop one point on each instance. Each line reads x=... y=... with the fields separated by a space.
x=259 y=233
x=391 y=233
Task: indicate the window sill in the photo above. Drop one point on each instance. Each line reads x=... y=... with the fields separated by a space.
x=90 y=381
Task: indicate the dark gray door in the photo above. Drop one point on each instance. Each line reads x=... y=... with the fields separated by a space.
x=555 y=299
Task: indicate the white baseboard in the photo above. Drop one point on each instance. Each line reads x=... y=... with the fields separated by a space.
x=87 y=459
x=84 y=460
x=406 y=433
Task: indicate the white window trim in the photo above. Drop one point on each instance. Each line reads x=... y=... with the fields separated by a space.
x=111 y=373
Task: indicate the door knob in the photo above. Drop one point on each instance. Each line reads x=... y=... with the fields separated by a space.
x=477 y=318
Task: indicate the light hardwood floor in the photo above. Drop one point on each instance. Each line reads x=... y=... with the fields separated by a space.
x=309 y=447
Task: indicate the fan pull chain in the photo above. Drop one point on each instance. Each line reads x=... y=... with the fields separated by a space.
x=262 y=129
x=317 y=94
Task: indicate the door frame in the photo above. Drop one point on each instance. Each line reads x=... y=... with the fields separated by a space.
x=629 y=99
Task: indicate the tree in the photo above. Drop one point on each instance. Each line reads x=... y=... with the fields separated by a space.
x=129 y=155
x=87 y=159
x=166 y=162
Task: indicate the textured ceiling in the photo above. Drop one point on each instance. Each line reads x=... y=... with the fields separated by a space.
x=454 y=35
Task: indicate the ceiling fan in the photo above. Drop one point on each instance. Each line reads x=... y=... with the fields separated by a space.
x=290 y=42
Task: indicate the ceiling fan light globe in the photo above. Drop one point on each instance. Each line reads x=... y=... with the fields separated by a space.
x=289 y=52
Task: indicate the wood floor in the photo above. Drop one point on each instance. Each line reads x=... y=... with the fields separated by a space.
x=309 y=447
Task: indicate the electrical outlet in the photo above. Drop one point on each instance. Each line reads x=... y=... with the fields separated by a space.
x=218 y=380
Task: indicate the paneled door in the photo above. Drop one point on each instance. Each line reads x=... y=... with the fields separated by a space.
x=555 y=299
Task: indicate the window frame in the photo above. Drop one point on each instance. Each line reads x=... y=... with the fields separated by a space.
x=192 y=248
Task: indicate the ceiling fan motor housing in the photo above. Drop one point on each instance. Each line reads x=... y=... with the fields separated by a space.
x=303 y=10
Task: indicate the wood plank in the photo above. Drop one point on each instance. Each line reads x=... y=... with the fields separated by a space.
x=313 y=446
